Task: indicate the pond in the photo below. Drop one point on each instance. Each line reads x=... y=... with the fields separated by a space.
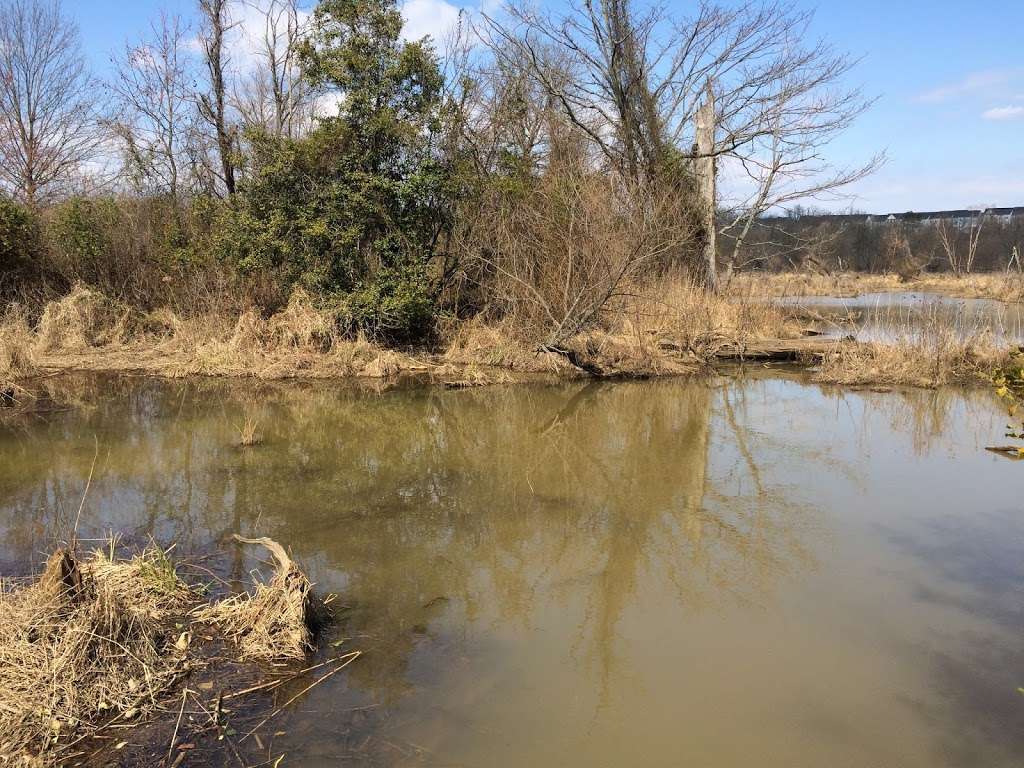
x=718 y=573
x=898 y=315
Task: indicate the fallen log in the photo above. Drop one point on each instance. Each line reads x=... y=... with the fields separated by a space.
x=1009 y=451
x=780 y=350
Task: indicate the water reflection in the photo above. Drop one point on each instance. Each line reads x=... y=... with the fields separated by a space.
x=901 y=315
x=588 y=574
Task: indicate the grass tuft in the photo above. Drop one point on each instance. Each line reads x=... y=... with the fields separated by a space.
x=99 y=642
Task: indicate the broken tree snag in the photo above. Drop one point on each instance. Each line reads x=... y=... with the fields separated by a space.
x=276 y=620
x=61 y=580
x=705 y=167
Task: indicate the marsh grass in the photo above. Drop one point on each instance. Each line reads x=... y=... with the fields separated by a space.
x=17 y=348
x=994 y=285
x=927 y=348
x=100 y=642
x=663 y=327
x=276 y=619
x=80 y=651
x=247 y=433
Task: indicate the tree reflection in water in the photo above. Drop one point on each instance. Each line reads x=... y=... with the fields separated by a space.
x=508 y=533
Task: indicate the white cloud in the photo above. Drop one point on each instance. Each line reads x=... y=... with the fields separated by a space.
x=245 y=43
x=246 y=40
x=435 y=18
x=976 y=82
x=1003 y=113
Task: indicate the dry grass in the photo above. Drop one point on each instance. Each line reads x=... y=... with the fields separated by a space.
x=1001 y=286
x=680 y=311
x=83 y=318
x=478 y=344
x=299 y=325
x=247 y=434
x=84 y=332
x=98 y=643
x=911 y=364
x=657 y=328
x=927 y=348
x=273 y=621
x=17 y=356
x=676 y=327
x=929 y=358
x=85 y=645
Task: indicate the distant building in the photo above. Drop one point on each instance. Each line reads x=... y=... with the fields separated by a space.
x=959 y=218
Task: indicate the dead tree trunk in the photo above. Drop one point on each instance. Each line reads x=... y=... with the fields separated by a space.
x=706 y=193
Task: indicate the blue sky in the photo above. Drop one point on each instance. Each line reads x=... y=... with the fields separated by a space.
x=949 y=83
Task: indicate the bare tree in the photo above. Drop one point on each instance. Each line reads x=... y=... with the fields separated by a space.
x=213 y=105
x=559 y=254
x=640 y=77
x=606 y=95
x=154 y=88
x=275 y=98
x=48 y=114
x=789 y=168
x=961 y=261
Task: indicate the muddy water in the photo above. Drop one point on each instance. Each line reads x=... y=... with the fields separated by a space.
x=894 y=316
x=720 y=574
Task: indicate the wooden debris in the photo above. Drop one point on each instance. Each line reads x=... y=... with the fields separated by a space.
x=61 y=580
x=778 y=349
x=1009 y=451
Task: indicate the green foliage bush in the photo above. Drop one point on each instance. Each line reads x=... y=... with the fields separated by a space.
x=18 y=237
x=397 y=305
x=1009 y=383
x=355 y=209
x=80 y=232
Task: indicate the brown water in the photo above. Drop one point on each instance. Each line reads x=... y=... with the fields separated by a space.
x=902 y=315
x=722 y=574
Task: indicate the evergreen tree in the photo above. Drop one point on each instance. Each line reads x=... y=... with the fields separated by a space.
x=356 y=209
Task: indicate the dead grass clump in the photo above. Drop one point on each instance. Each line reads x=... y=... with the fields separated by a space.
x=17 y=353
x=275 y=620
x=458 y=376
x=912 y=362
x=98 y=643
x=386 y=364
x=994 y=285
x=247 y=434
x=301 y=325
x=163 y=322
x=630 y=353
x=85 y=645
x=83 y=318
x=473 y=342
x=249 y=332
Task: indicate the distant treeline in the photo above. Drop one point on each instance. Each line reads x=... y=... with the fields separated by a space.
x=951 y=241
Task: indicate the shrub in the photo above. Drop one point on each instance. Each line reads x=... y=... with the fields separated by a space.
x=80 y=242
x=18 y=240
x=355 y=209
x=395 y=306
x=80 y=230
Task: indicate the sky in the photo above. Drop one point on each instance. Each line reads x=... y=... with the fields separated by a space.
x=948 y=84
